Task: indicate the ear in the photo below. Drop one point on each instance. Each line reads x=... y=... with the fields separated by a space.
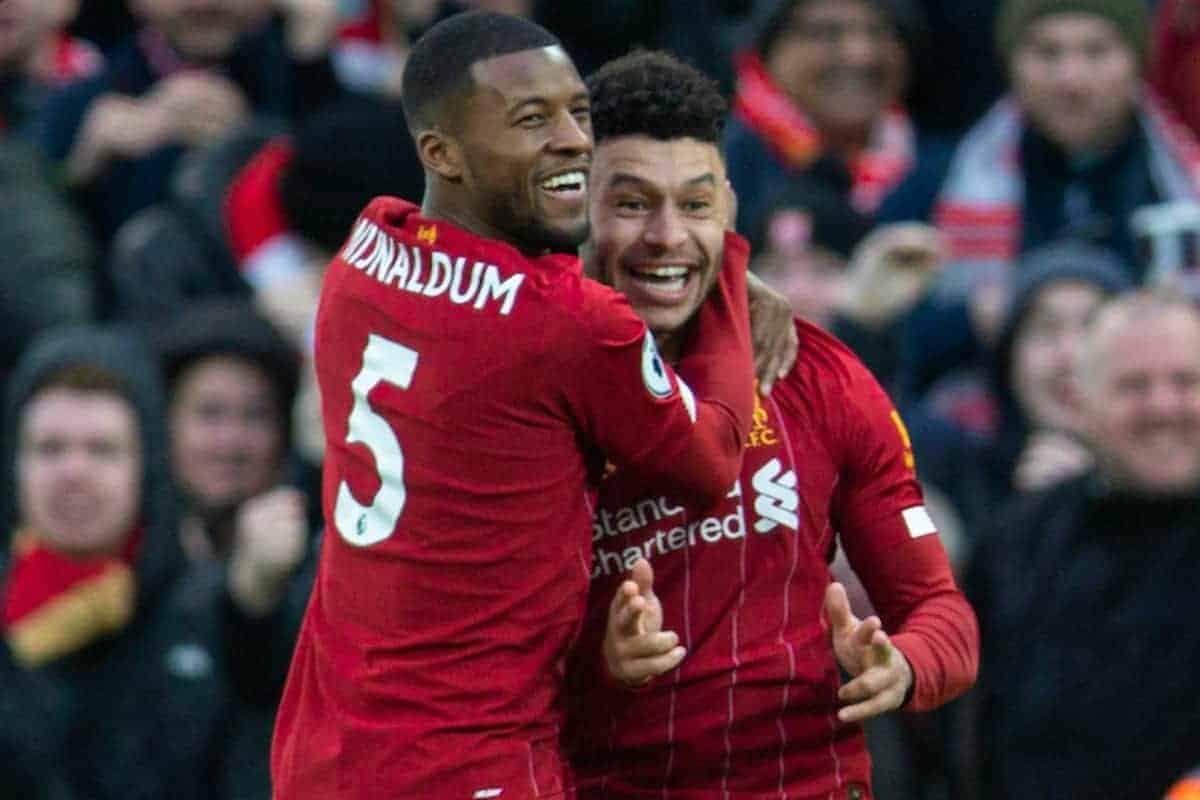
x=440 y=154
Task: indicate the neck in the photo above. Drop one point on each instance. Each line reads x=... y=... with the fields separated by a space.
x=437 y=206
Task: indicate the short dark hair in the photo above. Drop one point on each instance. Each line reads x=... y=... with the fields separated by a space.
x=84 y=378
x=653 y=93
x=439 y=65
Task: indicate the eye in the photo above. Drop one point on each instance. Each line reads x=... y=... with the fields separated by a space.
x=632 y=204
x=531 y=120
x=696 y=206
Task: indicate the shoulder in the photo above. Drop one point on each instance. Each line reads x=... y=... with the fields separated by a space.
x=825 y=366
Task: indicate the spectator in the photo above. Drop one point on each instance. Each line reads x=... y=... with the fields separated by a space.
x=803 y=245
x=1076 y=148
x=46 y=276
x=249 y=505
x=1086 y=689
x=112 y=674
x=191 y=74
x=1015 y=426
x=822 y=80
x=37 y=55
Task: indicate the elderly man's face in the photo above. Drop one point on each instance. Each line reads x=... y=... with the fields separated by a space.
x=1141 y=392
x=1077 y=80
x=842 y=61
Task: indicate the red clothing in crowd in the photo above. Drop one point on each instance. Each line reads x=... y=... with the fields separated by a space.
x=751 y=712
x=470 y=397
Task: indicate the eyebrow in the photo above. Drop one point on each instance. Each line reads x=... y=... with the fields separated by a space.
x=579 y=97
x=619 y=178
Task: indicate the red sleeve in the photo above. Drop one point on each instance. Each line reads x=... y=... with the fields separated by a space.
x=684 y=437
x=894 y=549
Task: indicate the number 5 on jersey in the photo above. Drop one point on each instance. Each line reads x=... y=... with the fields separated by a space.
x=384 y=361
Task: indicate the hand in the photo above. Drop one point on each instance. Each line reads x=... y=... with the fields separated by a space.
x=636 y=648
x=270 y=536
x=200 y=107
x=890 y=271
x=115 y=127
x=881 y=674
x=773 y=331
x=1050 y=457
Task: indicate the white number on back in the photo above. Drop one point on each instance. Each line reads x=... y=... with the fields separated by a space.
x=384 y=361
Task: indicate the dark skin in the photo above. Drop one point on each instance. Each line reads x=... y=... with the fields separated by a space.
x=525 y=120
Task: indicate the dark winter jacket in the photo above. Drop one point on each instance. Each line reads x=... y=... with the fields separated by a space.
x=140 y=715
x=1087 y=685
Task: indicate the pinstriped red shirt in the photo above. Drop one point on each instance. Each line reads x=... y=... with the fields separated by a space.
x=751 y=712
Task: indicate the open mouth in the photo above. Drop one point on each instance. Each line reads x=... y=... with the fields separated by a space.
x=664 y=284
x=565 y=184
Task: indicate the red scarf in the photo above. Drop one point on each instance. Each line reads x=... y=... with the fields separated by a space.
x=54 y=604
x=773 y=115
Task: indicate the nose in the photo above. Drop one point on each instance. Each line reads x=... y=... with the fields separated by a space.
x=571 y=136
x=664 y=228
x=859 y=46
x=1074 y=71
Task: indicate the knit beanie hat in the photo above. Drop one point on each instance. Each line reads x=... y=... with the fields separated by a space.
x=1129 y=16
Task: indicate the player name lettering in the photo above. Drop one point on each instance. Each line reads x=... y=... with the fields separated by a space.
x=428 y=272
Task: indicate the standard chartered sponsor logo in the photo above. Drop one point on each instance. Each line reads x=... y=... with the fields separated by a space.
x=777 y=500
x=708 y=530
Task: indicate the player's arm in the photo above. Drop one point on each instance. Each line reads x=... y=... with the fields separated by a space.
x=893 y=547
x=683 y=433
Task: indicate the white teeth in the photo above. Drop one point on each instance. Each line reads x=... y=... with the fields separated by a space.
x=572 y=180
x=662 y=272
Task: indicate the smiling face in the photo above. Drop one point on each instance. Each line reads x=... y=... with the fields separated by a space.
x=227 y=438
x=525 y=138
x=1142 y=401
x=659 y=212
x=842 y=61
x=1077 y=80
x=79 y=468
x=1045 y=349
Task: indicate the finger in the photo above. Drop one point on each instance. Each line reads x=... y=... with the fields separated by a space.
x=650 y=645
x=879 y=704
x=837 y=607
x=864 y=634
x=618 y=608
x=629 y=618
x=642 y=574
x=644 y=670
x=871 y=682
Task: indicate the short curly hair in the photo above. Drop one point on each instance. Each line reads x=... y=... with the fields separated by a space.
x=652 y=93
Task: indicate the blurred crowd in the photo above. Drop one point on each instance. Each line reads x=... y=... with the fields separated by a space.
x=995 y=203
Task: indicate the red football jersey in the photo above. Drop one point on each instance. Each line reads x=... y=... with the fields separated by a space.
x=752 y=710
x=470 y=397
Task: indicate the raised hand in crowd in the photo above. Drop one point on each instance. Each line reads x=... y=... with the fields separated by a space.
x=270 y=537
x=116 y=127
x=199 y=107
x=1050 y=457
x=890 y=272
